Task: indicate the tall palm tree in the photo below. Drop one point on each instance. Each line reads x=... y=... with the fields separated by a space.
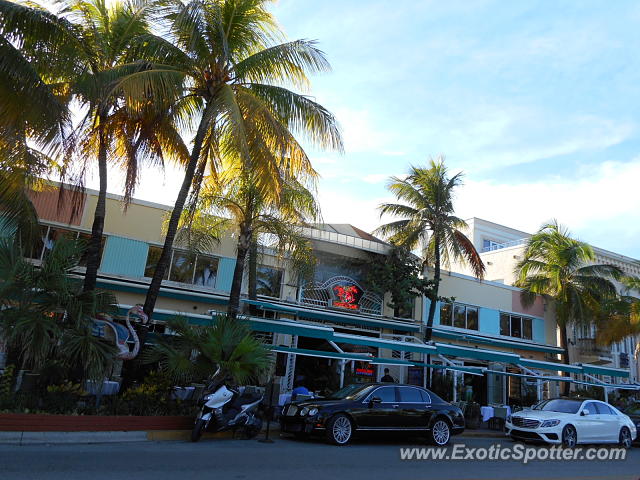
x=222 y=63
x=560 y=267
x=81 y=52
x=253 y=217
x=427 y=221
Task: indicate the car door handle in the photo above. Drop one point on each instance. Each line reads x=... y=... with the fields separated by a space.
x=395 y=406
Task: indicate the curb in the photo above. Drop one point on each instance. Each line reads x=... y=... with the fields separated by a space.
x=64 y=438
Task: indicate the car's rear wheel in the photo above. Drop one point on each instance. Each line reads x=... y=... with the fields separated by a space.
x=339 y=429
x=440 y=432
x=569 y=436
x=625 y=440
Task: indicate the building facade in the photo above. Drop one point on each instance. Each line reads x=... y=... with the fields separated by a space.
x=333 y=329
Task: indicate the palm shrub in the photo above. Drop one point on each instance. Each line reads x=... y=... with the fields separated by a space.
x=46 y=317
x=195 y=353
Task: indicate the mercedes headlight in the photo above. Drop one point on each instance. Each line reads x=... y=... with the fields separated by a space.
x=304 y=411
x=313 y=411
x=550 y=423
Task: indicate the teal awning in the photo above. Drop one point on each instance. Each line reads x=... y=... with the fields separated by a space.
x=353 y=319
x=391 y=361
x=473 y=370
x=551 y=366
x=498 y=342
x=610 y=371
x=523 y=375
x=290 y=328
x=383 y=343
x=476 y=353
x=320 y=353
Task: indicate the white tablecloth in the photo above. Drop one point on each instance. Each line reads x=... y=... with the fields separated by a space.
x=108 y=387
x=488 y=412
x=182 y=393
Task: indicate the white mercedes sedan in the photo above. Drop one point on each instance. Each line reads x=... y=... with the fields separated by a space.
x=571 y=422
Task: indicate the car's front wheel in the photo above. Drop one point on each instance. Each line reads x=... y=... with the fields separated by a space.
x=625 y=440
x=440 y=432
x=569 y=436
x=339 y=430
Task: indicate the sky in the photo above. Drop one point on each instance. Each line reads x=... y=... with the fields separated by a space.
x=536 y=102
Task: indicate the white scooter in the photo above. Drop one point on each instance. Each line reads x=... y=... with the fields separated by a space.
x=225 y=408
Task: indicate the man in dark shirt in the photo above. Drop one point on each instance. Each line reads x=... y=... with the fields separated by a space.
x=387 y=378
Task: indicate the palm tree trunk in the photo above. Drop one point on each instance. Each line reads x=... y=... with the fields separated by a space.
x=165 y=256
x=253 y=275
x=95 y=242
x=565 y=357
x=244 y=244
x=433 y=300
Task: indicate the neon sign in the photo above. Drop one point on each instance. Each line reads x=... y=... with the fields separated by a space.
x=348 y=296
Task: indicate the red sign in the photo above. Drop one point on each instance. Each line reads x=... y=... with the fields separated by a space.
x=348 y=296
x=364 y=371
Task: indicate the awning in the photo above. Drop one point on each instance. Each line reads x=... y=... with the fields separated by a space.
x=291 y=328
x=320 y=353
x=524 y=375
x=469 y=337
x=551 y=366
x=316 y=314
x=476 y=353
x=472 y=370
x=598 y=370
x=391 y=361
x=383 y=343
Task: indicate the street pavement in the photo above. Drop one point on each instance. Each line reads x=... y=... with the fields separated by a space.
x=287 y=459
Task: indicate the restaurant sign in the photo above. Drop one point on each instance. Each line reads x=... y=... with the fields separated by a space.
x=342 y=293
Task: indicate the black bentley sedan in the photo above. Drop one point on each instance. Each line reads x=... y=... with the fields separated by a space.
x=374 y=407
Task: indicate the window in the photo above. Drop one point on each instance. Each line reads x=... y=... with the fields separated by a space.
x=185 y=267
x=425 y=396
x=516 y=326
x=386 y=394
x=505 y=325
x=153 y=256
x=459 y=316
x=604 y=409
x=445 y=314
x=591 y=408
x=410 y=395
x=206 y=271
x=269 y=281
x=50 y=234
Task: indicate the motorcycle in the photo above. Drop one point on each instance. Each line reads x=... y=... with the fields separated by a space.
x=225 y=408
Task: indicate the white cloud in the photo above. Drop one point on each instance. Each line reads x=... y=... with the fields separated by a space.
x=602 y=208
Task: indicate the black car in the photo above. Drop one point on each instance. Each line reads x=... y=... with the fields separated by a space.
x=374 y=407
x=633 y=411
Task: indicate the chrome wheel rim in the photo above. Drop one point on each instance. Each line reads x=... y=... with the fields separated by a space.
x=342 y=430
x=440 y=432
x=625 y=437
x=570 y=438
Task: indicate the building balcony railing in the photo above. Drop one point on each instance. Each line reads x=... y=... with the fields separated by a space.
x=588 y=346
x=499 y=246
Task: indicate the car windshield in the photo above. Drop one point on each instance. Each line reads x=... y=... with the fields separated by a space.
x=559 y=405
x=349 y=392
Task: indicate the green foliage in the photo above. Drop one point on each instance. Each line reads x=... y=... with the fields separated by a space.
x=442 y=385
x=195 y=353
x=400 y=273
x=7 y=380
x=46 y=317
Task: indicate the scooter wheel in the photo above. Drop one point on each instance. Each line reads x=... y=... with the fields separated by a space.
x=198 y=428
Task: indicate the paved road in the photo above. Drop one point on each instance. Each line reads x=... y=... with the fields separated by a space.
x=286 y=459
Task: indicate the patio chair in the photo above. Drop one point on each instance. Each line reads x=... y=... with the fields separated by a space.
x=499 y=417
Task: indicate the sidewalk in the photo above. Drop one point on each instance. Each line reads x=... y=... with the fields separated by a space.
x=44 y=438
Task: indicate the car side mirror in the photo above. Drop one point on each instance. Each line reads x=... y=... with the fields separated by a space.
x=375 y=400
x=584 y=412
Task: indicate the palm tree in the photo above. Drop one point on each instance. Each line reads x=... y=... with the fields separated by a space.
x=620 y=318
x=559 y=266
x=195 y=353
x=83 y=51
x=46 y=316
x=222 y=63
x=255 y=217
x=427 y=221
